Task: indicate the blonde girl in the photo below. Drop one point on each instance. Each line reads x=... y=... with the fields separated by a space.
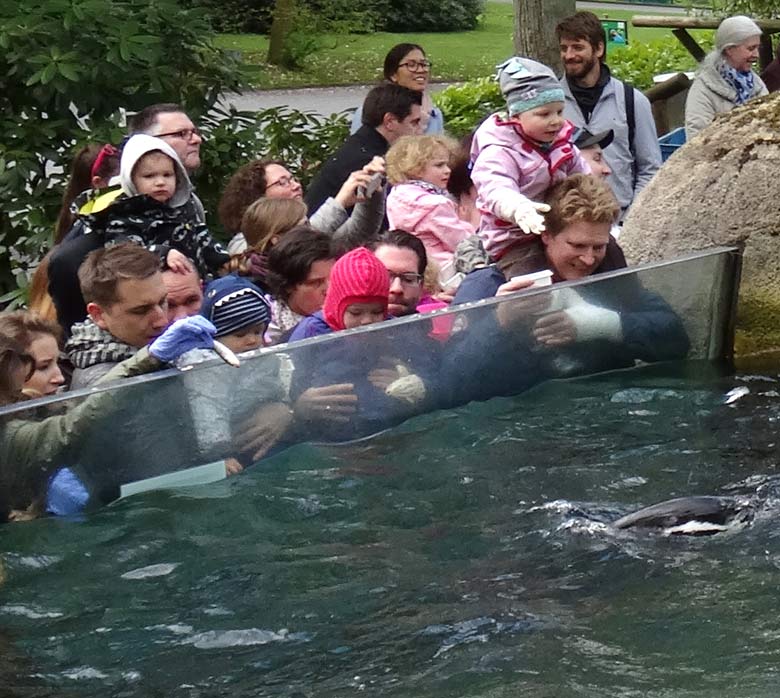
x=418 y=167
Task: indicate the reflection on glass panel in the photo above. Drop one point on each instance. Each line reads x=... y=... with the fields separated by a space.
x=350 y=385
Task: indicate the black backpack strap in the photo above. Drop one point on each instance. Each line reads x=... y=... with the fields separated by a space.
x=628 y=94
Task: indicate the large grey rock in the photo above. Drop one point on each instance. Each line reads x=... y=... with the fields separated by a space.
x=722 y=188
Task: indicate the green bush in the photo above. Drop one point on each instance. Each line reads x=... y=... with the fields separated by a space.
x=637 y=63
x=430 y=15
x=464 y=106
x=231 y=138
x=68 y=68
x=255 y=16
x=238 y=16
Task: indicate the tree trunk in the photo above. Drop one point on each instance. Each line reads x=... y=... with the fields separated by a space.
x=535 y=22
x=284 y=11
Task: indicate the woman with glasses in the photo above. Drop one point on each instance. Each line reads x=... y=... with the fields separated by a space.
x=272 y=179
x=408 y=66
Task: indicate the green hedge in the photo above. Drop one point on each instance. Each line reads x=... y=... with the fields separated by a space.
x=347 y=16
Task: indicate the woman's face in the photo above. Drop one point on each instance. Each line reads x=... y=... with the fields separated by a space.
x=413 y=71
x=742 y=56
x=281 y=184
x=308 y=296
x=47 y=377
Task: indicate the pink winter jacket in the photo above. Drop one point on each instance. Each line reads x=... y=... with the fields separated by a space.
x=430 y=216
x=505 y=161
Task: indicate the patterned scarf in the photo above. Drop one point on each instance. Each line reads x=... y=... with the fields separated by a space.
x=430 y=188
x=89 y=345
x=743 y=83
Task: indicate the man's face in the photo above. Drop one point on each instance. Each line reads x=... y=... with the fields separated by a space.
x=594 y=156
x=404 y=294
x=577 y=250
x=176 y=129
x=185 y=295
x=140 y=313
x=410 y=126
x=579 y=57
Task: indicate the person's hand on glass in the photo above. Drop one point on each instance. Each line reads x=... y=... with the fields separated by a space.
x=330 y=403
x=188 y=333
x=256 y=435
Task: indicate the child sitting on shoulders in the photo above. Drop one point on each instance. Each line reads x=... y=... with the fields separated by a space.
x=517 y=156
x=152 y=209
x=418 y=167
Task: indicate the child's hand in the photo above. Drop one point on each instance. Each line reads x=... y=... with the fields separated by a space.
x=526 y=214
x=529 y=217
x=177 y=262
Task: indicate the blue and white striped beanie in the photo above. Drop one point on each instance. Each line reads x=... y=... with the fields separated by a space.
x=527 y=84
x=233 y=303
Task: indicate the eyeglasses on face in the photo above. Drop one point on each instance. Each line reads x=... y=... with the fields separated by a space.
x=416 y=65
x=408 y=278
x=186 y=134
x=283 y=182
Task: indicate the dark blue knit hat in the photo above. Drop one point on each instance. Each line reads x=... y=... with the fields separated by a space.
x=233 y=303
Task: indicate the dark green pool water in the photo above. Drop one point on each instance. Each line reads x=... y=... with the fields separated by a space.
x=466 y=553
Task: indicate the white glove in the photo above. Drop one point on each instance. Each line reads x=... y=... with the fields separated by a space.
x=409 y=387
x=522 y=211
x=593 y=322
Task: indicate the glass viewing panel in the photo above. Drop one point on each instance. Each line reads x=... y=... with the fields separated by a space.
x=352 y=384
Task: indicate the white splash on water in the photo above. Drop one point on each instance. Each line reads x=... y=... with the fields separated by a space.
x=735 y=394
x=84 y=672
x=220 y=639
x=175 y=628
x=159 y=570
x=28 y=612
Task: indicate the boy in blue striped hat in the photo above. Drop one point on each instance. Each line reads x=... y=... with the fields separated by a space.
x=238 y=310
x=517 y=156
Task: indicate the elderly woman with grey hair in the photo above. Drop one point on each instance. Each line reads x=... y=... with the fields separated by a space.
x=725 y=78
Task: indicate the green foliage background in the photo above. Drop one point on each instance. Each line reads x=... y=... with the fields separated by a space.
x=68 y=69
x=464 y=106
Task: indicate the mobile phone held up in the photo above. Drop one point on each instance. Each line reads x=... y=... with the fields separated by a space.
x=373 y=185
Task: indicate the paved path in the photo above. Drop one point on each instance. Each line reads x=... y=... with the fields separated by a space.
x=327 y=100
x=324 y=100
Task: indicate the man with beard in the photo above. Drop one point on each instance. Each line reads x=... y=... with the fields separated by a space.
x=596 y=100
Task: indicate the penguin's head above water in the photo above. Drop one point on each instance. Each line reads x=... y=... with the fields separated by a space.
x=698 y=515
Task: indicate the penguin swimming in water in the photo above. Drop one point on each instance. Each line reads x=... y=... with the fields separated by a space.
x=698 y=515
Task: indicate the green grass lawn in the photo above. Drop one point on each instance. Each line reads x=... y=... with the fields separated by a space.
x=357 y=58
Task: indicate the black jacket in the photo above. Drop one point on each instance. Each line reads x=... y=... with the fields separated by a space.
x=357 y=151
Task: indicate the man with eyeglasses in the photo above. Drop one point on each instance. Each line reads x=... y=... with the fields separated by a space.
x=405 y=259
x=389 y=112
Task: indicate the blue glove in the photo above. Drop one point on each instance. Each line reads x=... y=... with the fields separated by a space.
x=66 y=494
x=188 y=333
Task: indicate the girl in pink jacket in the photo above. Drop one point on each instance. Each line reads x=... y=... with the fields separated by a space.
x=418 y=167
x=517 y=156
